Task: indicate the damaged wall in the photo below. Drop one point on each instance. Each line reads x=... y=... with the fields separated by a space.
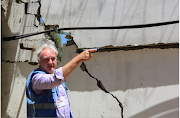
x=145 y=81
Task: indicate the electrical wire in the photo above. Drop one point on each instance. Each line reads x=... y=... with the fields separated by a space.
x=94 y=28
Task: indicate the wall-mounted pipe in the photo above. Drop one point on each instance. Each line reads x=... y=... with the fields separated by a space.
x=26 y=48
x=94 y=28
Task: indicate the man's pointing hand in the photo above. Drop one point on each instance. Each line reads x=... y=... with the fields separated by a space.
x=86 y=55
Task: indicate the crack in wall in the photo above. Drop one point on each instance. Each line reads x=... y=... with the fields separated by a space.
x=37 y=15
x=129 y=47
x=101 y=86
x=31 y=63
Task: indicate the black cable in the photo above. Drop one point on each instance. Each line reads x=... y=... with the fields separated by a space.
x=89 y=28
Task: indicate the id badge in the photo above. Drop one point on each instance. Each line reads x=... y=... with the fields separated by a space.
x=60 y=103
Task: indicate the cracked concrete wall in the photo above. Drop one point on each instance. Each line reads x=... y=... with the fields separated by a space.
x=146 y=81
x=96 y=13
x=145 y=78
x=16 y=63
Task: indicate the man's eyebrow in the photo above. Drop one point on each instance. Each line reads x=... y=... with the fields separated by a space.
x=49 y=57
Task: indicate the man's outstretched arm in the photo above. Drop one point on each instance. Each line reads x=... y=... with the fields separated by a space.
x=69 y=67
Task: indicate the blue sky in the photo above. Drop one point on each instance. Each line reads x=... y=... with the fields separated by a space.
x=63 y=39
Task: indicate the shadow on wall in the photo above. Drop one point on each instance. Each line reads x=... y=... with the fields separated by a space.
x=8 y=54
x=25 y=70
x=168 y=109
x=5 y=30
x=6 y=82
x=8 y=64
x=10 y=81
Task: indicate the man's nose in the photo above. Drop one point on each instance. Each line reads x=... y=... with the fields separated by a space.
x=50 y=61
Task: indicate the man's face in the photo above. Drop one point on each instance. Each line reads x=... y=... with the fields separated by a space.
x=48 y=60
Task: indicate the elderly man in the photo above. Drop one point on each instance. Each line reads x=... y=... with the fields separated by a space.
x=45 y=88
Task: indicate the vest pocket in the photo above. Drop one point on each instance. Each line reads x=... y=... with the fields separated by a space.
x=51 y=97
x=45 y=113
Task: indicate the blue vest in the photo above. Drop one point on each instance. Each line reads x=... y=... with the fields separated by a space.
x=40 y=105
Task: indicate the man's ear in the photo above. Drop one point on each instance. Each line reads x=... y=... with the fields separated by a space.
x=38 y=60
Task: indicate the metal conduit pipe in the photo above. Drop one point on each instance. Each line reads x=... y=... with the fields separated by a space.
x=94 y=28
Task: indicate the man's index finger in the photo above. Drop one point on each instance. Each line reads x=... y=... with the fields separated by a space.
x=92 y=50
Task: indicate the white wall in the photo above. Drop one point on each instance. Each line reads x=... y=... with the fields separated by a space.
x=146 y=81
x=96 y=13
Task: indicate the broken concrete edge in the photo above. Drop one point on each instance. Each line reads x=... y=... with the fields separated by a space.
x=133 y=47
x=127 y=47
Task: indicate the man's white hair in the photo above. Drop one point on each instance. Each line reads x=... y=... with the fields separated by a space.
x=44 y=46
